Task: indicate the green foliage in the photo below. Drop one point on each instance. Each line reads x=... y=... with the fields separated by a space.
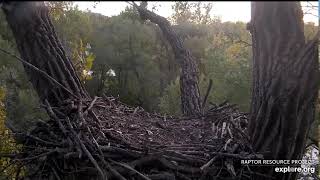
x=192 y=12
x=128 y=47
x=58 y=8
x=7 y=142
x=144 y=65
x=21 y=101
x=131 y=13
x=76 y=36
x=23 y=108
x=310 y=30
x=83 y=59
x=228 y=65
x=170 y=102
x=223 y=55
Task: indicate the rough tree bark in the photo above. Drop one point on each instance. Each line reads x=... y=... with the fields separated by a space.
x=190 y=94
x=38 y=44
x=285 y=82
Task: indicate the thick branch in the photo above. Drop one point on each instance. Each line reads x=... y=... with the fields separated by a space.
x=190 y=95
x=285 y=82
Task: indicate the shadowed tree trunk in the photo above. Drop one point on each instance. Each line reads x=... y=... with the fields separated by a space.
x=285 y=83
x=38 y=44
x=190 y=94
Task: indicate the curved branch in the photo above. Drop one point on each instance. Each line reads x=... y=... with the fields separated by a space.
x=190 y=93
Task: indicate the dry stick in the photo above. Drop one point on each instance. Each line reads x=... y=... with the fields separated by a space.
x=207 y=94
x=208 y=164
x=94 y=162
x=236 y=156
x=114 y=172
x=91 y=105
x=130 y=2
x=130 y=169
x=39 y=70
x=55 y=173
x=80 y=114
x=41 y=140
x=164 y=175
x=36 y=157
x=18 y=172
x=61 y=126
x=8 y=155
x=182 y=177
x=95 y=117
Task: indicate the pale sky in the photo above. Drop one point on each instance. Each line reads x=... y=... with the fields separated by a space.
x=227 y=10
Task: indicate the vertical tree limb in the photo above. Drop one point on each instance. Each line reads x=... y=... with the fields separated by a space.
x=207 y=94
x=285 y=83
x=190 y=93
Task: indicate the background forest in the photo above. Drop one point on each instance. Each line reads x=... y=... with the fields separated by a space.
x=128 y=58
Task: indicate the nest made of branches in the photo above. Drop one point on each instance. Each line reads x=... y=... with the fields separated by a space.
x=106 y=139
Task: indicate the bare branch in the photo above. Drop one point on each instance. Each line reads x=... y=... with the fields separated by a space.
x=307 y=13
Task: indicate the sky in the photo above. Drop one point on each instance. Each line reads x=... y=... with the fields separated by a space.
x=226 y=10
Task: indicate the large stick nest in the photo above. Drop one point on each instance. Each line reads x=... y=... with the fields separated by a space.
x=106 y=139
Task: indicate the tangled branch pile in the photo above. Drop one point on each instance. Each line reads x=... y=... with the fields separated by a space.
x=106 y=139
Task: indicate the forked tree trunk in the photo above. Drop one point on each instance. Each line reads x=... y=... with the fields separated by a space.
x=190 y=94
x=38 y=44
x=285 y=83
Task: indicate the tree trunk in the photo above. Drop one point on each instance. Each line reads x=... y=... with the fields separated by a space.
x=38 y=44
x=285 y=83
x=190 y=94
